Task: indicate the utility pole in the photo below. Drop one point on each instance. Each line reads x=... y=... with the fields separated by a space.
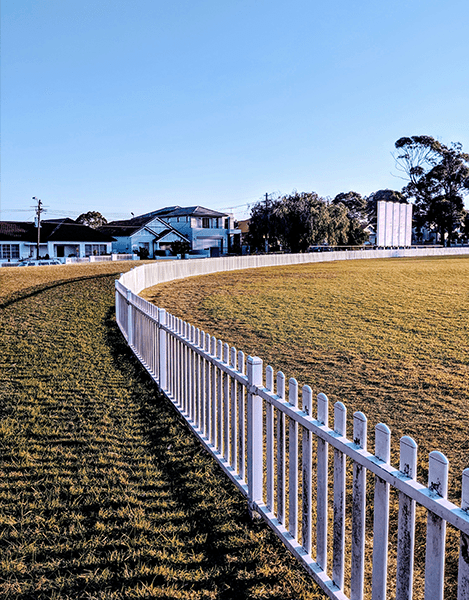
x=39 y=210
x=267 y=213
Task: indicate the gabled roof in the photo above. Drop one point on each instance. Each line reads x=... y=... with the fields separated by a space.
x=131 y=226
x=188 y=211
x=52 y=230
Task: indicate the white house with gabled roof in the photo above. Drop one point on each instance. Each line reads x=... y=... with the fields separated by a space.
x=206 y=229
x=147 y=232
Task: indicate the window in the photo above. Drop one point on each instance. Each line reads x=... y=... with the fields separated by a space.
x=205 y=222
x=95 y=249
x=8 y=251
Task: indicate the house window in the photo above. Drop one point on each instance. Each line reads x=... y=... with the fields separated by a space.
x=206 y=222
x=8 y=251
x=95 y=249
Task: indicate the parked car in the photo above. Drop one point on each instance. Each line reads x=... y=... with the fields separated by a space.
x=39 y=263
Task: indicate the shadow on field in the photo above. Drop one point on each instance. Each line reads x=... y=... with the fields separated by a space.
x=234 y=556
x=37 y=290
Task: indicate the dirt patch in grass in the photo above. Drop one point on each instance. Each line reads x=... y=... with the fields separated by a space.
x=104 y=493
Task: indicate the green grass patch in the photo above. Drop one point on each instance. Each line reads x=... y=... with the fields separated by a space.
x=104 y=493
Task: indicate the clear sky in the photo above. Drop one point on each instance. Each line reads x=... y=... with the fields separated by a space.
x=123 y=107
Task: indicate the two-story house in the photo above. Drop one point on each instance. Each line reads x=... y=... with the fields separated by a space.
x=207 y=230
x=146 y=232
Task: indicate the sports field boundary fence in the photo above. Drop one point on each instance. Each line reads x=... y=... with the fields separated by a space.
x=282 y=454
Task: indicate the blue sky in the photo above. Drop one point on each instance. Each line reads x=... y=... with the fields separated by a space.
x=123 y=107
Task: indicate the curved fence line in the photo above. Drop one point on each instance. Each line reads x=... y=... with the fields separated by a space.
x=277 y=448
x=160 y=272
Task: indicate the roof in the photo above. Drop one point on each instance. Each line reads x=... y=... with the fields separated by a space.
x=59 y=230
x=131 y=226
x=193 y=211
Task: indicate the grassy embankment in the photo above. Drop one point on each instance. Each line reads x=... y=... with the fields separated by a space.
x=389 y=338
x=104 y=494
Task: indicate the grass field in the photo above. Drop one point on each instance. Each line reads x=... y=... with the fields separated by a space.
x=389 y=338
x=104 y=494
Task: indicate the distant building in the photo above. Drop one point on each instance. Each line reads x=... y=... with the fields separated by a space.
x=208 y=232
x=59 y=238
x=145 y=232
x=206 y=229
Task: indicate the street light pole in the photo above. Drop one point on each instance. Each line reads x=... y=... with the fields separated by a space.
x=39 y=210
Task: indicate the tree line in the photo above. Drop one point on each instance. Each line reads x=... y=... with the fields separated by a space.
x=437 y=179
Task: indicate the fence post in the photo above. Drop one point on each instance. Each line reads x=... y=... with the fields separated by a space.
x=254 y=431
x=436 y=529
x=130 y=333
x=162 y=362
x=463 y=571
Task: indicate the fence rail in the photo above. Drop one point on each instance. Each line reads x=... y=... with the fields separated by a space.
x=275 y=447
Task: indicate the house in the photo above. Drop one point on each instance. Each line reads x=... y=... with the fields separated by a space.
x=208 y=231
x=146 y=233
x=58 y=238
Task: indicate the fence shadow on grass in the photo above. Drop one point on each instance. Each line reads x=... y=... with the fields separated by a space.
x=234 y=556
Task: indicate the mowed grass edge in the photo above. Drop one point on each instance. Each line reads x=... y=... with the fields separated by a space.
x=104 y=493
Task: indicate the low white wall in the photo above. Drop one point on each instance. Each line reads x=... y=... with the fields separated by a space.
x=151 y=274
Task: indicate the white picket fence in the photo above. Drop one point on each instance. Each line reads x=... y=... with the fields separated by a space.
x=275 y=448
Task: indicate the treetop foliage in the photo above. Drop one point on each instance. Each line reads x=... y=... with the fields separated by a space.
x=438 y=180
x=92 y=218
x=297 y=221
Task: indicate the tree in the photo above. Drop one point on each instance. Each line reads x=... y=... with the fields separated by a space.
x=381 y=196
x=357 y=215
x=92 y=218
x=354 y=202
x=438 y=180
x=180 y=247
x=263 y=225
x=301 y=219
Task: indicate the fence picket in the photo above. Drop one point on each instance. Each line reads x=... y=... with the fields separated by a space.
x=220 y=377
x=241 y=420
x=281 y=450
x=338 y=551
x=255 y=427
x=208 y=387
x=233 y=414
x=213 y=395
x=406 y=523
x=226 y=405
x=269 y=444
x=293 y=462
x=463 y=574
x=436 y=529
x=381 y=515
x=162 y=349
x=358 y=511
x=322 y=485
x=307 y=468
